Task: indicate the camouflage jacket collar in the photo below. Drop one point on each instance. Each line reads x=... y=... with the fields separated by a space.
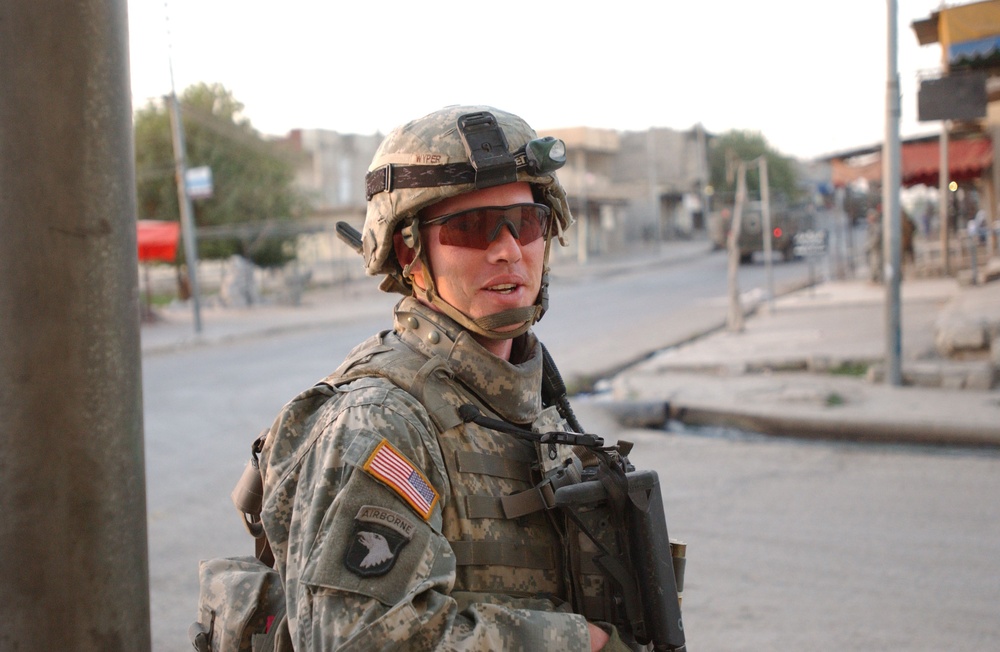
x=513 y=391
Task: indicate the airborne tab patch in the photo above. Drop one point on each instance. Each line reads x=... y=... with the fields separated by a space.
x=388 y=465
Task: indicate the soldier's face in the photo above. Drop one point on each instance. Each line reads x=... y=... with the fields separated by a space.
x=480 y=282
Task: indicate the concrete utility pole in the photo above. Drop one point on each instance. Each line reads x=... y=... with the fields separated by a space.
x=73 y=545
x=890 y=205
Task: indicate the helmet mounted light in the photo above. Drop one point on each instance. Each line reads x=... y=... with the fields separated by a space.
x=545 y=155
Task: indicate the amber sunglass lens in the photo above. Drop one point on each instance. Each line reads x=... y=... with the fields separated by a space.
x=476 y=228
x=465 y=230
x=530 y=224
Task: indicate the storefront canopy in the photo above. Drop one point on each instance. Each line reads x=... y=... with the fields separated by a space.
x=967 y=159
x=970 y=32
x=158 y=241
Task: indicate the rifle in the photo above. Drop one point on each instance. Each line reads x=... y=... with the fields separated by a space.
x=635 y=554
x=648 y=572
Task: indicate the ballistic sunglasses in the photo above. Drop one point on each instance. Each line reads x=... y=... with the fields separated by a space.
x=476 y=228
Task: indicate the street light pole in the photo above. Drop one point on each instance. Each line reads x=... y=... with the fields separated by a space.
x=944 y=199
x=890 y=205
x=184 y=201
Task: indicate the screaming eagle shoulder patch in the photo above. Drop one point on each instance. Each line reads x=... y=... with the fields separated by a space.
x=378 y=537
x=388 y=465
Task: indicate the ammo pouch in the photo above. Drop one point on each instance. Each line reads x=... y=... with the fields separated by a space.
x=241 y=608
x=241 y=603
x=631 y=552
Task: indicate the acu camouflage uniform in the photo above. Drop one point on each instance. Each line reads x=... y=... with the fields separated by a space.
x=428 y=559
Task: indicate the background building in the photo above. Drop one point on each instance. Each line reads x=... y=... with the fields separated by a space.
x=625 y=188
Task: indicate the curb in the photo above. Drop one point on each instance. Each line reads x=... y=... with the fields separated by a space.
x=656 y=415
x=200 y=341
x=837 y=428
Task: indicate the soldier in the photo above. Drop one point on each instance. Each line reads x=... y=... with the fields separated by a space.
x=873 y=245
x=395 y=520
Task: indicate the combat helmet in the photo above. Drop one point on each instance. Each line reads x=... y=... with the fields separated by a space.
x=447 y=153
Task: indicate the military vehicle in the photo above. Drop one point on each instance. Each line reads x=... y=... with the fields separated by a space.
x=786 y=222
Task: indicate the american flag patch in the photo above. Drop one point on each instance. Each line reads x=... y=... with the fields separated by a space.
x=389 y=466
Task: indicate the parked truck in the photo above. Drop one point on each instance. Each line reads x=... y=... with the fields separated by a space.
x=786 y=222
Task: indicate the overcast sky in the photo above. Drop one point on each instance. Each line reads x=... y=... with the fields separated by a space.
x=811 y=77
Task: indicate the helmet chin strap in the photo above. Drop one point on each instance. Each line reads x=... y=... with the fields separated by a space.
x=487 y=326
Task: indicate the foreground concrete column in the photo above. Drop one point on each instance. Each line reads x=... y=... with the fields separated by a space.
x=73 y=547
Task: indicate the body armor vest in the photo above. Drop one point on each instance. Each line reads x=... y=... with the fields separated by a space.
x=504 y=545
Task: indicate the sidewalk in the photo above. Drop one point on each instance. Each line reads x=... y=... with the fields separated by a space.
x=174 y=328
x=323 y=307
x=812 y=366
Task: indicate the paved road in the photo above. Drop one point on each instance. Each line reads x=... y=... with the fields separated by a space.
x=797 y=546
x=792 y=546
x=203 y=407
x=599 y=320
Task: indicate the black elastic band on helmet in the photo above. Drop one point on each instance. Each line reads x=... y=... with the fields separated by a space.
x=390 y=177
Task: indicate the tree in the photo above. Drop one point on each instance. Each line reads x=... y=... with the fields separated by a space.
x=253 y=186
x=735 y=146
